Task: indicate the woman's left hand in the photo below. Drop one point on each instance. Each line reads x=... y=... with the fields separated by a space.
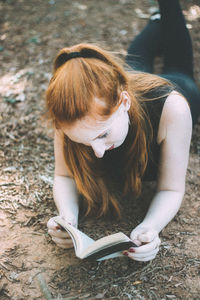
x=148 y=242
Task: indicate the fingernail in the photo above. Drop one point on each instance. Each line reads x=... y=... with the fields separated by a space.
x=131 y=250
x=125 y=253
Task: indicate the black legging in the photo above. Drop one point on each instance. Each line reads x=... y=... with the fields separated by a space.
x=169 y=37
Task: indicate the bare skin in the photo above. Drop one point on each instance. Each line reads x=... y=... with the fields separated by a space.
x=174 y=136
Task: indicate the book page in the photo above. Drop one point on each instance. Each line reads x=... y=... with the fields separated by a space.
x=80 y=240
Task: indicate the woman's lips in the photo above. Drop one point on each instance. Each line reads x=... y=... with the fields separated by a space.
x=112 y=147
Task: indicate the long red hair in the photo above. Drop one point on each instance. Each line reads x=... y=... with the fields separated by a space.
x=70 y=97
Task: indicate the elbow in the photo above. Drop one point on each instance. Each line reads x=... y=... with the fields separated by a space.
x=179 y=192
x=173 y=187
x=61 y=175
x=62 y=180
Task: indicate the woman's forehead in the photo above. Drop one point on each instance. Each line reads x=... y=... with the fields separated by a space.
x=88 y=123
x=90 y=126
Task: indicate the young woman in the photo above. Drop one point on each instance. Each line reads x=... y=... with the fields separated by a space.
x=115 y=128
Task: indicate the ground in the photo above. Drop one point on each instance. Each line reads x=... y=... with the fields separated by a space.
x=31 y=34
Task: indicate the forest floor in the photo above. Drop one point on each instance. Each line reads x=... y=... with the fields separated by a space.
x=31 y=34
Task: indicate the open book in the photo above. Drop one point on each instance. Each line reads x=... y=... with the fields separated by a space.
x=107 y=247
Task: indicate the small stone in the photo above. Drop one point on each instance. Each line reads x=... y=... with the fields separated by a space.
x=13 y=276
x=123 y=32
x=21 y=97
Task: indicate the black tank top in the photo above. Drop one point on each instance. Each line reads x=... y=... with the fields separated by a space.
x=153 y=108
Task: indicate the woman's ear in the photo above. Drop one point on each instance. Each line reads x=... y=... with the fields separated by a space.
x=125 y=100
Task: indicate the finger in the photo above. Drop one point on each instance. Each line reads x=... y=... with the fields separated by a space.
x=62 y=241
x=148 y=236
x=143 y=257
x=147 y=247
x=51 y=224
x=65 y=246
x=137 y=243
x=136 y=232
x=59 y=233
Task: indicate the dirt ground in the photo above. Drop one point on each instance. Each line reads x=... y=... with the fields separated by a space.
x=31 y=34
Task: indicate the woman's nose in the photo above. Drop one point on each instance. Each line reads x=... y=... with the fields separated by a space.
x=99 y=149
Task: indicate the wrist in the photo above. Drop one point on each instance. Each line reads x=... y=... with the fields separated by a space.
x=149 y=224
x=68 y=212
x=70 y=218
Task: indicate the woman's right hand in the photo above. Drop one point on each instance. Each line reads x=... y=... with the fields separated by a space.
x=59 y=236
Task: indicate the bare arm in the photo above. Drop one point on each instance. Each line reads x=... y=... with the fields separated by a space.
x=65 y=196
x=174 y=136
x=177 y=127
x=66 y=199
x=64 y=189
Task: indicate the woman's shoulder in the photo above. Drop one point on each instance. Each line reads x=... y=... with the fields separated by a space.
x=175 y=116
x=176 y=108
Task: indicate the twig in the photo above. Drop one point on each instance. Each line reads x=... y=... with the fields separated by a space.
x=4 y=266
x=8 y=183
x=79 y=296
x=43 y=287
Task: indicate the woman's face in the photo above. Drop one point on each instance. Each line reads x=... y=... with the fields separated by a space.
x=101 y=135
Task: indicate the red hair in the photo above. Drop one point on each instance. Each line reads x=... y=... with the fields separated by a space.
x=70 y=97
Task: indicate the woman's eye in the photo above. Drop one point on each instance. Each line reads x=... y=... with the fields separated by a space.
x=103 y=136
